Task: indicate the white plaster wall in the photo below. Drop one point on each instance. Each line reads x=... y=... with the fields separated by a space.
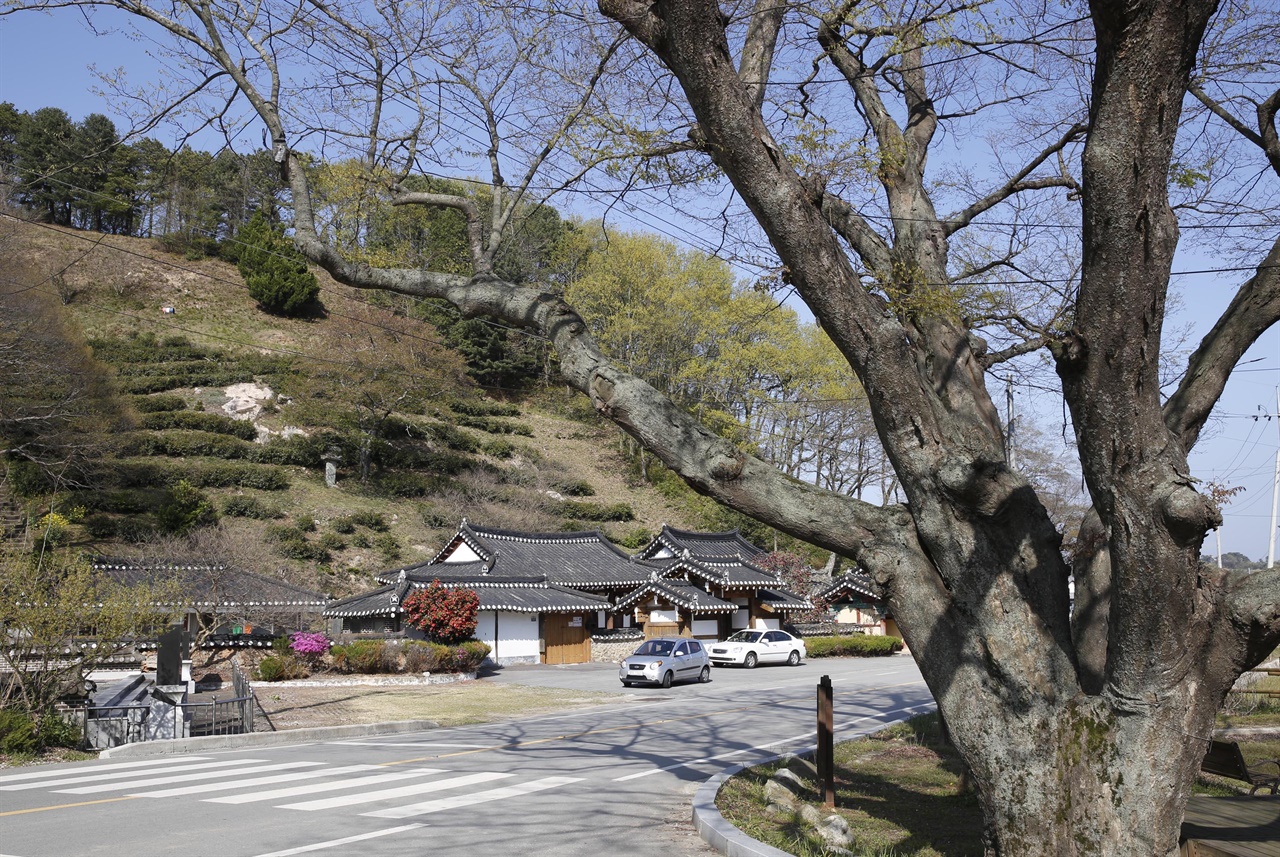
x=462 y=553
x=664 y=617
x=516 y=640
x=706 y=628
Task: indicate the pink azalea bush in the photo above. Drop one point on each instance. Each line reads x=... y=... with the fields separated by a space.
x=309 y=645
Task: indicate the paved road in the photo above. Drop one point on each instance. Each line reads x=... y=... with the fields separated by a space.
x=614 y=779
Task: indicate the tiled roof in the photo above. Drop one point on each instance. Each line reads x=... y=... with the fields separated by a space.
x=849 y=583
x=729 y=544
x=522 y=597
x=682 y=594
x=204 y=584
x=730 y=574
x=583 y=560
x=784 y=599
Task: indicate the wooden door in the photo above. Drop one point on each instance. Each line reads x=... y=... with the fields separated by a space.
x=566 y=638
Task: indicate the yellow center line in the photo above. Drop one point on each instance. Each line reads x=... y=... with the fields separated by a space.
x=575 y=735
x=66 y=805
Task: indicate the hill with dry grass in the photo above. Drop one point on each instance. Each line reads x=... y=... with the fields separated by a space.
x=232 y=412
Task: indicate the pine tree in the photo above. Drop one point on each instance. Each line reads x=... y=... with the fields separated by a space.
x=273 y=270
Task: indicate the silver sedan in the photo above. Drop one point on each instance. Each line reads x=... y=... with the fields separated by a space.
x=664 y=660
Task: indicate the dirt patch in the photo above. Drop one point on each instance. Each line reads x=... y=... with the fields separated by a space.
x=449 y=705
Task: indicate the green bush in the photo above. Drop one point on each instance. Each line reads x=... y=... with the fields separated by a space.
x=596 y=512
x=575 y=488
x=363 y=656
x=185 y=443
x=331 y=542
x=211 y=475
x=343 y=525
x=244 y=506
x=19 y=735
x=24 y=733
x=478 y=408
x=499 y=448
x=406 y=484
x=158 y=404
x=857 y=645
x=388 y=546
x=213 y=423
x=372 y=520
x=492 y=426
x=280 y=668
x=100 y=526
x=455 y=438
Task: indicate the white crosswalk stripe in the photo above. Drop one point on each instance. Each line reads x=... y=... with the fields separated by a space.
x=275 y=794
x=182 y=778
x=205 y=788
x=401 y=791
x=53 y=779
x=100 y=769
x=459 y=801
x=284 y=785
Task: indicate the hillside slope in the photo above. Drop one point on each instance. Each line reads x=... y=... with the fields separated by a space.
x=190 y=350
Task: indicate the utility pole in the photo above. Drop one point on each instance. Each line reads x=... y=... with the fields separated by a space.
x=1010 y=453
x=1275 y=494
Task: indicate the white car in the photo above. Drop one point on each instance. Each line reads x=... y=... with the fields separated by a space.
x=749 y=648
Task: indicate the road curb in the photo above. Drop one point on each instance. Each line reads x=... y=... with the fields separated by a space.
x=264 y=739
x=721 y=834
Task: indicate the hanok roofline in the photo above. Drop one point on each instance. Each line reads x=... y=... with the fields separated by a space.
x=195 y=576
x=560 y=572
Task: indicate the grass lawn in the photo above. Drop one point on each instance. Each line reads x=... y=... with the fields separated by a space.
x=899 y=791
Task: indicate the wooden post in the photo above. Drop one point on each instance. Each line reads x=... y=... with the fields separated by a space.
x=825 y=761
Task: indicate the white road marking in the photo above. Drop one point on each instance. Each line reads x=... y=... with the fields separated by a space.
x=52 y=779
x=205 y=788
x=346 y=840
x=182 y=778
x=401 y=791
x=113 y=766
x=405 y=744
x=653 y=771
x=274 y=794
x=459 y=801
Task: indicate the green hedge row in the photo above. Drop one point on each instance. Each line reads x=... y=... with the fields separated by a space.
x=857 y=645
x=408 y=656
x=155 y=404
x=493 y=426
x=136 y=474
x=478 y=408
x=596 y=512
x=200 y=421
x=183 y=443
x=160 y=383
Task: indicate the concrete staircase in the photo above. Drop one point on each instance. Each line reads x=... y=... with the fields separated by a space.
x=13 y=521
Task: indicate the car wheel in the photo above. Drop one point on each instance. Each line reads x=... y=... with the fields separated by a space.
x=793 y=659
x=705 y=675
x=626 y=684
x=666 y=678
x=750 y=661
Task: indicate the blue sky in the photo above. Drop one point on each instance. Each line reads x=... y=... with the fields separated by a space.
x=44 y=62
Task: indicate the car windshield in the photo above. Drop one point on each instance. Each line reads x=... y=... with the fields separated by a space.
x=745 y=637
x=656 y=647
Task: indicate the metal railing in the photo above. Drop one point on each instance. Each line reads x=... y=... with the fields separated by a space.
x=104 y=726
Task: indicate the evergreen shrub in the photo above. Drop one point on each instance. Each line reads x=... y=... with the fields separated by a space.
x=857 y=645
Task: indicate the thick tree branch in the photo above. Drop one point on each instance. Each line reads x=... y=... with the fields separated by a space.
x=1254 y=309
x=480 y=259
x=757 y=50
x=1254 y=609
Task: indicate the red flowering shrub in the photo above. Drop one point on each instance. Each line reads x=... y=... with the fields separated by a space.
x=445 y=615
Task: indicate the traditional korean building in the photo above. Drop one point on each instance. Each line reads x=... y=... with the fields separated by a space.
x=545 y=596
